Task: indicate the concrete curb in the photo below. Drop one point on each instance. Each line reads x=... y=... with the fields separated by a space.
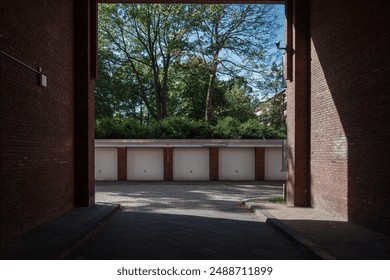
x=294 y=236
x=100 y=221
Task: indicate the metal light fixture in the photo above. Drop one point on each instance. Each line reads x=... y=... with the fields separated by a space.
x=277 y=43
x=42 y=79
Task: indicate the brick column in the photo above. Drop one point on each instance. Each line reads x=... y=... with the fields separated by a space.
x=259 y=164
x=298 y=109
x=168 y=164
x=85 y=12
x=122 y=164
x=214 y=164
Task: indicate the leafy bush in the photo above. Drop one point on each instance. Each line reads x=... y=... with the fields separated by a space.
x=180 y=128
x=108 y=128
x=120 y=128
x=254 y=129
x=227 y=128
x=185 y=128
x=134 y=129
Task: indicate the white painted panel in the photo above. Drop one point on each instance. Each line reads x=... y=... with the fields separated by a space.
x=106 y=164
x=190 y=164
x=145 y=164
x=273 y=164
x=237 y=164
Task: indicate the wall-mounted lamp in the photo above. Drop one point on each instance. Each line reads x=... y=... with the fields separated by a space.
x=42 y=79
x=277 y=43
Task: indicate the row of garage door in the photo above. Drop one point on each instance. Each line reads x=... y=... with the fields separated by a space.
x=188 y=164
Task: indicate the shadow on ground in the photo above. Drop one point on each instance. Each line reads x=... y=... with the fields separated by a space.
x=186 y=220
x=146 y=236
x=344 y=240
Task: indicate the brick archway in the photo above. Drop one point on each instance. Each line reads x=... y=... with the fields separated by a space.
x=324 y=171
x=298 y=178
x=338 y=119
x=297 y=53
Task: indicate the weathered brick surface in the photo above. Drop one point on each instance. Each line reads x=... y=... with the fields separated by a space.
x=350 y=116
x=37 y=123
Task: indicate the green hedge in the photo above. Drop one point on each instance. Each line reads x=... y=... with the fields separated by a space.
x=184 y=128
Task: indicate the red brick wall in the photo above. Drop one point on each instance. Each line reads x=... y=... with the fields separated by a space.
x=259 y=164
x=122 y=164
x=214 y=164
x=37 y=124
x=350 y=121
x=298 y=107
x=168 y=164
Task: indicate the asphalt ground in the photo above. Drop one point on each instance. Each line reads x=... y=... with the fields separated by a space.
x=186 y=220
x=196 y=220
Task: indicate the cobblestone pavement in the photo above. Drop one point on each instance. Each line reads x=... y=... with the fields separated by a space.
x=186 y=221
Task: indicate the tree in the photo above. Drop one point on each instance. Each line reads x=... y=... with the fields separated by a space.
x=237 y=102
x=188 y=88
x=115 y=89
x=233 y=40
x=147 y=39
x=272 y=82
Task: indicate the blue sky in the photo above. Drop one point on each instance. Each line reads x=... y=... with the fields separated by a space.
x=280 y=32
x=280 y=9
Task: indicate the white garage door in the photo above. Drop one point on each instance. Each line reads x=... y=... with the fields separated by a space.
x=237 y=164
x=145 y=164
x=273 y=164
x=190 y=164
x=106 y=164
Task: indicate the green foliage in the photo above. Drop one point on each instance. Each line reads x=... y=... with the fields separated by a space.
x=277 y=199
x=184 y=128
x=231 y=128
x=188 y=88
x=181 y=128
x=160 y=65
x=121 y=128
x=146 y=40
x=254 y=129
x=236 y=102
x=234 y=40
x=271 y=112
x=227 y=128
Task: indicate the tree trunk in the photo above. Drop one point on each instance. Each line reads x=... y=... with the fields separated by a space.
x=157 y=90
x=164 y=92
x=210 y=96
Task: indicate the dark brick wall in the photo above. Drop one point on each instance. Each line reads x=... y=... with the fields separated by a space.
x=350 y=123
x=37 y=123
x=84 y=23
